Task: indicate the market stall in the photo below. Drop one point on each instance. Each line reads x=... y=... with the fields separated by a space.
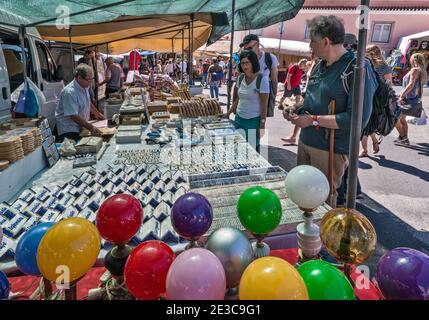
x=287 y=51
x=169 y=154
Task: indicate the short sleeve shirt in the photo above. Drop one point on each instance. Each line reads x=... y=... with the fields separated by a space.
x=170 y=68
x=296 y=75
x=114 y=72
x=264 y=69
x=74 y=101
x=249 y=105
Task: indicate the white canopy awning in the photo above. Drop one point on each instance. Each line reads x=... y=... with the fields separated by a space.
x=290 y=47
x=403 y=42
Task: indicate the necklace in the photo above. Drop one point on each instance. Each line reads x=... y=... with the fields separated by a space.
x=249 y=80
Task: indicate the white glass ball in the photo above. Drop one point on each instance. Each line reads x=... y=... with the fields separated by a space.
x=307 y=186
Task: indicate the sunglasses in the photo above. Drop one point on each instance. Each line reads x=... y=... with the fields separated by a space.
x=250 y=47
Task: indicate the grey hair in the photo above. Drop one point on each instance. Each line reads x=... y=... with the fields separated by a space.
x=84 y=71
x=330 y=27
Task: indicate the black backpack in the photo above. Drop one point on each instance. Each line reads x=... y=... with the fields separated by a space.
x=385 y=109
x=272 y=95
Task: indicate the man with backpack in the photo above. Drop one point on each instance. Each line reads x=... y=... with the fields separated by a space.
x=214 y=78
x=268 y=64
x=327 y=106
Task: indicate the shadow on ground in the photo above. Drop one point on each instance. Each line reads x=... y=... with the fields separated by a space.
x=392 y=232
x=402 y=167
x=422 y=148
x=280 y=157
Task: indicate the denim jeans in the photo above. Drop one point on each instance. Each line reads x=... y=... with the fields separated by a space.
x=204 y=79
x=214 y=89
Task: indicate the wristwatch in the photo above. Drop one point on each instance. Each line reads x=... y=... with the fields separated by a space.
x=315 y=122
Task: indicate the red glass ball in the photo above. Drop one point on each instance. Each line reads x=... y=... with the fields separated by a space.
x=146 y=269
x=119 y=218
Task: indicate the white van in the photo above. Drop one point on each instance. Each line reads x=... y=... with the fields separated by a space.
x=41 y=67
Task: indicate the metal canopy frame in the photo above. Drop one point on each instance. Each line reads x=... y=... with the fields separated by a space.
x=357 y=110
x=231 y=49
x=142 y=35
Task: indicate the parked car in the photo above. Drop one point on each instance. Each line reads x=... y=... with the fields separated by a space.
x=41 y=67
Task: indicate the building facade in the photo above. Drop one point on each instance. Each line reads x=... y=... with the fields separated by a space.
x=389 y=21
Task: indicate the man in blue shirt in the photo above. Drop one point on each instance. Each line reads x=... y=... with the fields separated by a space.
x=324 y=85
x=74 y=108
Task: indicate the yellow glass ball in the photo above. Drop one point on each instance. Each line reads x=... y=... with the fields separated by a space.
x=348 y=235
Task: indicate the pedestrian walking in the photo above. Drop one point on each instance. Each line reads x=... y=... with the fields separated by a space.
x=411 y=97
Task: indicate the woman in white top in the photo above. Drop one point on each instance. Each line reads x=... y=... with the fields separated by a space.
x=250 y=98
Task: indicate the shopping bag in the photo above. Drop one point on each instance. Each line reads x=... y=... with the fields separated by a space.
x=19 y=106
x=31 y=107
x=14 y=97
x=419 y=121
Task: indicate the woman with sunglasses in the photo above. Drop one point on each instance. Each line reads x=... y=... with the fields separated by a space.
x=250 y=99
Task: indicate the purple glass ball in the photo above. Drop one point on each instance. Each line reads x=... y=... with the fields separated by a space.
x=403 y=274
x=191 y=215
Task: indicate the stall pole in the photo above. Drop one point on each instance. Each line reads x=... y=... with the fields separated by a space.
x=356 y=125
x=280 y=40
x=191 y=51
x=71 y=49
x=24 y=55
x=188 y=65
x=231 y=48
x=71 y=292
x=183 y=52
x=47 y=288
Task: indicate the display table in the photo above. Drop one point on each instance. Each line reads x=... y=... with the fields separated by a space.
x=19 y=173
x=157 y=175
x=91 y=280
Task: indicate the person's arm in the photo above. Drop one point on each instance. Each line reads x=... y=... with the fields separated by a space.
x=83 y=123
x=274 y=72
x=72 y=110
x=263 y=98
x=209 y=77
x=274 y=78
x=235 y=100
x=410 y=86
x=121 y=79
x=342 y=120
x=388 y=77
x=288 y=77
x=97 y=114
x=107 y=77
x=264 y=92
